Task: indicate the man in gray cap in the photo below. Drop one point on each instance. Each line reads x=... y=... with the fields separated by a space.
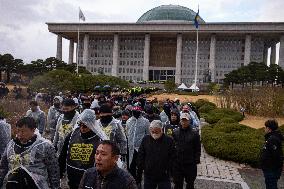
x=188 y=151
x=155 y=157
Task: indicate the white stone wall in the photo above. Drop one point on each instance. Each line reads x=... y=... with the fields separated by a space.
x=188 y=59
x=100 y=54
x=229 y=55
x=131 y=57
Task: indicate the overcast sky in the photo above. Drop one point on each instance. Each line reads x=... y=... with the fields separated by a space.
x=24 y=34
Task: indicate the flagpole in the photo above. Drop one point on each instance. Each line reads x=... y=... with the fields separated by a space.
x=78 y=45
x=196 y=60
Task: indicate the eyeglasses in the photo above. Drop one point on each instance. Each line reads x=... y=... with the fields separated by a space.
x=81 y=124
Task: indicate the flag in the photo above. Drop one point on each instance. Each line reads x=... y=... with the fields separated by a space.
x=81 y=15
x=196 y=19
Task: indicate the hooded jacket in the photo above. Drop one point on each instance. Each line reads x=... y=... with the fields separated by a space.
x=39 y=117
x=38 y=160
x=136 y=129
x=63 y=130
x=5 y=135
x=271 y=157
x=115 y=132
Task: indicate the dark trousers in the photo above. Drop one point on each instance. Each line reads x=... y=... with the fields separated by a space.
x=271 y=178
x=187 y=173
x=133 y=165
x=152 y=184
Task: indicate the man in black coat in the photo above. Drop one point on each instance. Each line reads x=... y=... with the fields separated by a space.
x=155 y=157
x=188 y=148
x=106 y=174
x=271 y=158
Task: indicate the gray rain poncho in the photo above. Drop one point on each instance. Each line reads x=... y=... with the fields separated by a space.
x=39 y=117
x=5 y=135
x=63 y=130
x=88 y=117
x=136 y=129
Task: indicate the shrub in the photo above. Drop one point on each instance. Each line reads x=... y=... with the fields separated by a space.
x=206 y=108
x=233 y=141
x=3 y=113
x=226 y=120
x=215 y=115
x=202 y=102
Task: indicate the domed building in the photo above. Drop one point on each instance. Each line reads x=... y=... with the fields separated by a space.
x=162 y=45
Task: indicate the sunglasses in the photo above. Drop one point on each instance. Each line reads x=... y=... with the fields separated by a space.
x=81 y=124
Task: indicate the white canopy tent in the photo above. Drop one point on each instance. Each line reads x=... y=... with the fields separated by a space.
x=194 y=87
x=183 y=87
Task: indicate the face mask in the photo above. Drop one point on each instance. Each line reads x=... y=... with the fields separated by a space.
x=106 y=119
x=86 y=105
x=156 y=136
x=56 y=105
x=69 y=114
x=136 y=114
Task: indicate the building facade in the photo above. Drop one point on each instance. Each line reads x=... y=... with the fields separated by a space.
x=161 y=45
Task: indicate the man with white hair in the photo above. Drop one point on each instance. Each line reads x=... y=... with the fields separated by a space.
x=155 y=158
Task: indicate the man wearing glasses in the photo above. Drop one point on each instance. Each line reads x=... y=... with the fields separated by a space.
x=79 y=148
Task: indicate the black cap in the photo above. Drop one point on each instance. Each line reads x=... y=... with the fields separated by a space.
x=126 y=112
x=105 y=108
x=68 y=102
x=272 y=124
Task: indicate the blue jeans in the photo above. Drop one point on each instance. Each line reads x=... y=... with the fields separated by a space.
x=152 y=184
x=271 y=178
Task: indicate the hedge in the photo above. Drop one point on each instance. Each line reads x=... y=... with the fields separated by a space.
x=234 y=142
x=215 y=115
x=201 y=102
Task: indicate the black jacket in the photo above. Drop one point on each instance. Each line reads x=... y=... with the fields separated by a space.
x=116 y=179
x=154 y=117
x=272 y=155
x=188 y=147
x=155 y=157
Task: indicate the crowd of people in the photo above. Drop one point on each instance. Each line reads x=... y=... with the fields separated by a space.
x=104 y=142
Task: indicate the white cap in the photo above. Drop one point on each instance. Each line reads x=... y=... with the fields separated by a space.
x=185 y=116
x=76 y=100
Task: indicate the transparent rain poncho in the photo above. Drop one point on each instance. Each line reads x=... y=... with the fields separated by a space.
x=88 y=117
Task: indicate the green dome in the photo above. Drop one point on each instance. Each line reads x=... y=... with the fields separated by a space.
x=169 y=13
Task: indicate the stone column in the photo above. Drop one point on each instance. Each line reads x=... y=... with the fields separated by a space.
x=114 y=67
x=265 y=54
x=86 y=50
x=59 y=47
x=247 y=50
x=178 y=59
x=273 y=54
x=212 y=57
x=146 y=57
x=71 y=51
x=281 y=52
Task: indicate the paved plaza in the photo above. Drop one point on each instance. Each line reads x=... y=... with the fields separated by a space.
x=216 y=173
